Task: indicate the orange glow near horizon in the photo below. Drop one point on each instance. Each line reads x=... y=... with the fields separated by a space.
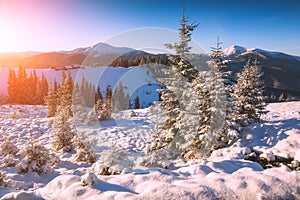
x=34 y=25
x=16 y=23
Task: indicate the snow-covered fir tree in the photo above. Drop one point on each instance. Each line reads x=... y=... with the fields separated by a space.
x=36 y=158
x=168 y=134
x=62 y=133
x=167 y=111
x=223 y=129
x=196 y=121
x=248 y=94
x=105 y=113
x=182 y=49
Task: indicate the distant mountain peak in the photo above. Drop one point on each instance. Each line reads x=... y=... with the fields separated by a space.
x=234 y=50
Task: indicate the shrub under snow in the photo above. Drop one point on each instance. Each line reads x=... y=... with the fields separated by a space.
x=85 y=148
x=36 y=158
x=112 y=162
x=8 y=151
x=89 y=179
x=3 y=180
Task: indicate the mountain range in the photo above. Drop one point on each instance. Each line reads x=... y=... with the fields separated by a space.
x=281 y=71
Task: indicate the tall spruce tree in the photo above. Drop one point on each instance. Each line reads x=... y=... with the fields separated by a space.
x=223 y=128
x=248 y=94
x=171 y=110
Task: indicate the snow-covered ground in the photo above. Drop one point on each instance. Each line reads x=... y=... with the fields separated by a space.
x=226 y=174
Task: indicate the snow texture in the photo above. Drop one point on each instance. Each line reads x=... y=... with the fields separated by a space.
x=224 y=175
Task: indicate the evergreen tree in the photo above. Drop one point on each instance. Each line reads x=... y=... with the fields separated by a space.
x=137 y=102
x=106 y=111
x=65 y=92
x=98 y=95
x=26 y=90
x=119 y=100
x=63 y=133
x=51 y=101
x=12 y=87
x=127 y=104
x=30 y=91
x=21 y=97
x=182 y=49
x=169 y=136
x=167 y=120
x=248 y=94
x=99 y=107
x=79 y=106
x=197 y=121
x=42 y=90
x=84 y=89
x=223 y=128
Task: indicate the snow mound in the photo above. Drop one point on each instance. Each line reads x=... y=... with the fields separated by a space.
x=21 y=196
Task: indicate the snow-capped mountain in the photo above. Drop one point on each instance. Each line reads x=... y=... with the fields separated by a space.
x=281 y=71
x=235 y=51
x=99 y=49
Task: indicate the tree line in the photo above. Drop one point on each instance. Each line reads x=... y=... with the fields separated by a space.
x=79 y=96
x=32 y=90
x=24 y=89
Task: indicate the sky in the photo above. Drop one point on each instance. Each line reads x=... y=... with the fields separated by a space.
x=52 y=25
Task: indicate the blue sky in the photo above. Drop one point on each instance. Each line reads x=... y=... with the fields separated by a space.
x=64 y=25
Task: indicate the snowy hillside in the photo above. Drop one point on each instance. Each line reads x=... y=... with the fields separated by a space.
x=228 y=173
